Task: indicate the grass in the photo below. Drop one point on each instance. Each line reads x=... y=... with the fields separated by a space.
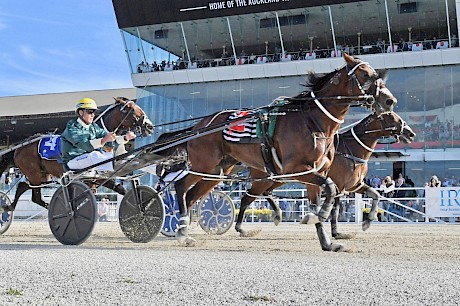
x=255 y=298
x=12 y=291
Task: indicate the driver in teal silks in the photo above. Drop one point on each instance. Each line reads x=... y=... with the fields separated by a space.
x=82 y=141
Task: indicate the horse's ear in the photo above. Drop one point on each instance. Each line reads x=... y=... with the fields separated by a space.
x=348 y=58
x=383 y=74
x=121 y=100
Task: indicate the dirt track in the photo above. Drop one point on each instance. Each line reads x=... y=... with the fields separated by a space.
x=390 y=264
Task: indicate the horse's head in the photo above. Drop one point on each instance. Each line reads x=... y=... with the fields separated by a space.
x=385 y=101
x=369 y=84
x=388 y=124
x=125 y=114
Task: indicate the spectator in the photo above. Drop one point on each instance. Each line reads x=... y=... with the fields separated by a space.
x=433 y=43
x=434 y=181
x=445 y=182
x=454 y=40
x=287 y=208
x=103 y=209
x=388 y=189
x=401 y=178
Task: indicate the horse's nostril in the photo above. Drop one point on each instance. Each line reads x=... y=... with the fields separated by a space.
x=389 y=102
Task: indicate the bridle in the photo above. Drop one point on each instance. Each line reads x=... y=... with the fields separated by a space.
x=390 y=127
x=126 y=110
x=368 y=99
x=363 y=88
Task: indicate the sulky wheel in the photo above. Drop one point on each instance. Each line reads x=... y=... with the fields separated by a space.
x=141 y=215
x=172 y=215
x=72 y=221
x=6 y=217
x=216 y=212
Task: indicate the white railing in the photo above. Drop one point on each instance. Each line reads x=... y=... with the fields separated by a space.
x=293 y=203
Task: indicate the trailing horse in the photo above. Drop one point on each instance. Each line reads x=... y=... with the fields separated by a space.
x=349 y=167
x=122 y=115
x=302 y=140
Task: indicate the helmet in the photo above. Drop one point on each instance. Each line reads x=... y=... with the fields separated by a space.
x=85 y=103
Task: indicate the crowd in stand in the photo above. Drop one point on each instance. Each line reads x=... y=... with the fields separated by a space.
x=380 y=46
x=437 y=131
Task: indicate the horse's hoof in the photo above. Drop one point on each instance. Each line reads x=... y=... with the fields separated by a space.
x=334 y=247
x=366 y=225
x=310 y=218
x=250 y=233
x=190 y=242
x=277 y=220
x=344 y=236
x=181 y=238
x=120 y=189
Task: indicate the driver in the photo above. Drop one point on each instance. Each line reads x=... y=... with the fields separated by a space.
x=84 y=143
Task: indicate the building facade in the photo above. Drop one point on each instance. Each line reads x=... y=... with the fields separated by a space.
x=192 y=58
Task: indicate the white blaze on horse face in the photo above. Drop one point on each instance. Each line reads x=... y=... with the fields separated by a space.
x=387 y=92
x=147 y=121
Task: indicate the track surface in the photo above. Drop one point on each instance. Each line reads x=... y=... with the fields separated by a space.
x=390 y=264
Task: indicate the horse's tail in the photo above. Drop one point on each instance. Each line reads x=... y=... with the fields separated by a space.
x=6 y=161
x=171 y=137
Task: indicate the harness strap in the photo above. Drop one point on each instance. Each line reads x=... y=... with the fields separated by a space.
x=357 y=66
x=314 y=169
x=359 y=141
x=357 y=188
x=325 y=111
x=354 y=158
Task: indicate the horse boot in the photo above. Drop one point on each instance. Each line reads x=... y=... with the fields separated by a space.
x=326 y=244
x=182 y=233
x=325 y=210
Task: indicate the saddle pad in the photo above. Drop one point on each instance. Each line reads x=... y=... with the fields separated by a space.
x=50 y=147
x=245 y=132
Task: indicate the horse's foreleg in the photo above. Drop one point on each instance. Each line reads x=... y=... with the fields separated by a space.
x=274 y=205
x=246 y=200
x=335 y=217
x=22 y=187
x=37 y=197
x=334 y=221
x=330 y=190
x=372 y=193
x=257 y=189
x=326 y=244
x=181 y=187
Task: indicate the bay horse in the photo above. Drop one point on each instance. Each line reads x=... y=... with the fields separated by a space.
x=303 y=138
x=348 y=169
x=124 y=114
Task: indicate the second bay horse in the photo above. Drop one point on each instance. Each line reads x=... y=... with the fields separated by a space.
x=347 y=170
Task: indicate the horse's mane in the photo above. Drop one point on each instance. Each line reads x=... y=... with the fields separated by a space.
x=313 y=83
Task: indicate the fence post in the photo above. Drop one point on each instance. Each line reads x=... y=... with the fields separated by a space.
x=358 y=208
